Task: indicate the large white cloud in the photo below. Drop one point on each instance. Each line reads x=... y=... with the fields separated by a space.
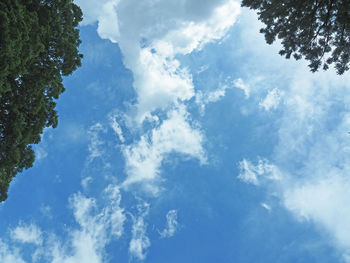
x=151 y=33
x=313 y=147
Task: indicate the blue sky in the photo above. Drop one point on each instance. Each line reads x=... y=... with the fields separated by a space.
x=184 y=137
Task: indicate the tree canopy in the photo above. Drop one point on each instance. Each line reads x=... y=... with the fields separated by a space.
x=38 y=45
x=318 y=30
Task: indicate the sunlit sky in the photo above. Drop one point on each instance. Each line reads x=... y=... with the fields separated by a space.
x=184 y=137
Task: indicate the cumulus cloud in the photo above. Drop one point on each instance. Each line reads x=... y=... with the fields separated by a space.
x=172 y=224
x=101 y=12
x=320 y=194
x=325 y=202
x=150 y=34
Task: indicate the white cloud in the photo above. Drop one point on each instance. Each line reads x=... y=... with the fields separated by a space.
x=27 y=234
x=240 y=84
x=175 y=134
x=202 y=69
x=97 y=227
x=313 y=149
x=266 y=206
x=9 y=255
x=313 y=143
x=139 y=241
x=272 y=100
x=204 y=98
x=325 y=202
x=172 y=224
x=85 y=182
x=95 y=145
x=116 y=127
x=253 y=174
x=103 y=12
x=151 y=34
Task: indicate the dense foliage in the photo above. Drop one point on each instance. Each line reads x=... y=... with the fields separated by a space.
x=318 y=30
x=38 y=44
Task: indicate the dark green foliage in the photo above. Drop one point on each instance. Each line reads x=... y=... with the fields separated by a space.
x=38 y=44
x=318 y=30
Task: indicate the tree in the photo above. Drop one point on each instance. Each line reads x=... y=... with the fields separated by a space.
x=38 y=45
x=318 y=30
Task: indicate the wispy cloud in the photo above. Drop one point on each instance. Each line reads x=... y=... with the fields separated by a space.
x=113 y=121
x=204 y=98
x=96 y=229
x=253 y=174
x=272 y=100
x=172 y=224
x=86 y=243
x=95 y=145
x=139 y=242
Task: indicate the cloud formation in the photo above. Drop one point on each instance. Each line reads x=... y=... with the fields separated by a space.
x=172 y=224
x=151 y=34
x=272 y=100
x=253 y=174
x=175 y=134
x=27 y=234
x=139 y=242
x=86 y=243
x=312 y=149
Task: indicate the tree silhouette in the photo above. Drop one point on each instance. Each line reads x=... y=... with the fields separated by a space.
x=318 y=30
x=38 y=45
